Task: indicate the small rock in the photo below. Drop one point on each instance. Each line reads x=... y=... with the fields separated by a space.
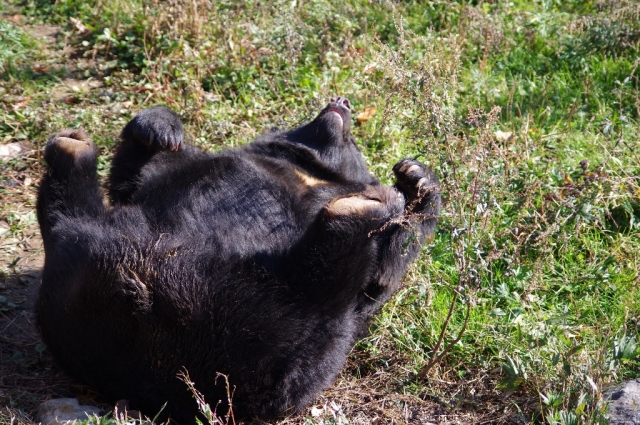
x=316 y=411
x=11 y=150
x=624 y=403
x=64 y=411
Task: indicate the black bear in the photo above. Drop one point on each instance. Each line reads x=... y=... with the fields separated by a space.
x=264 y=263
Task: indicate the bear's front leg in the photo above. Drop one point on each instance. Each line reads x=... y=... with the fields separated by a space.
x=403 y=236
x=421 y=189
x=70 y=186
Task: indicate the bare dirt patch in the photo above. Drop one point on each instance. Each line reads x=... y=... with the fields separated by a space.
x=46 y=33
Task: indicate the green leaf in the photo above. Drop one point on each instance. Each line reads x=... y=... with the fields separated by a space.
x=17 y=357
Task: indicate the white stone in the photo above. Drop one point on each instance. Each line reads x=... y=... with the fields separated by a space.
x=64 y=411
x=11 y=150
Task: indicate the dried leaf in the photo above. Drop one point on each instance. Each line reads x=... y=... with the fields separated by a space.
x=71 y=100
x=82 y=28
x=370 y=68
x=40 y=68
x=366 y=115
x=21 y=102
x=503 y=136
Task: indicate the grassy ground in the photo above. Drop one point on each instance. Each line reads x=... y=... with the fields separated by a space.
x=523 y=309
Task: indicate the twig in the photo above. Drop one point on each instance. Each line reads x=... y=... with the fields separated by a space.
x=436 y=357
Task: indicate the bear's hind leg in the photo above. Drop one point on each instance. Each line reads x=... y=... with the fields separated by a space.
x=70 y=187
x=151 y=131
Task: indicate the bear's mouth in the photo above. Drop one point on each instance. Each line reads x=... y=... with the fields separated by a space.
x=336 y=117
x=338 y=113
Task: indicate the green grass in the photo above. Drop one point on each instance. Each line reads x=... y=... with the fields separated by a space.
x=542 y=246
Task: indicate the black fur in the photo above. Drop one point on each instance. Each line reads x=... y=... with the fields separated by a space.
x=264 y=263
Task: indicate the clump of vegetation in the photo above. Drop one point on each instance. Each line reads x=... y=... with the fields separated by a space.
x=527 y=299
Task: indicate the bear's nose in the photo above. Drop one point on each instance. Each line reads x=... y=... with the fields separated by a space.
x=342 y=101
